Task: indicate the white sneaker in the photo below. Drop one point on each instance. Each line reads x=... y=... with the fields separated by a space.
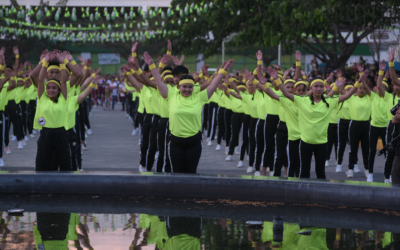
x=20 y=146
x=356 y=169
x=26 y=138
x=390 y=179
x=218 y=148
x=387 y=181
x=240 y=164
x=237 y=151
x=370 y=178
x=14 y=138
x=350 y=173
x=271 y=173
x=326 y=163
x=142 y=169
x=32 y=135
x=156 y=156
x=366 y=172
x=134 y=132
x=249 y=170
x=338 y=168
x=86 y=136
x=226 y=150
x=7 y=151
x=228 y=158
x=1 y=162
x=89 y=131
x=34 y=132
x=127 y=116
x=24 y=142
x=268 y=170
x=248 y=158
x=257 y=173
x=209 y=143
x=83 y=146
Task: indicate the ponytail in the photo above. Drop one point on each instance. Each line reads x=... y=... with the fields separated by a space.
x=394 y=97
x=322 y=98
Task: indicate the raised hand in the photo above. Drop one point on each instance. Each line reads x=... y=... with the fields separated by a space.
x=134 y=47
x=226 y=78
x=175 y=60
x=272 y=72
x=204 y=69
x=246 y=70
x=339 y=73
x=182 y=59
x=229 y=64
x=96 y=79
x=382 y=65
x=302 y=72
x=287 y=72
x=359 y=67
x=277 y=67
x=60 y=57
x=261 y=78
x=8 y=72
x=15 y=50
x=80 y=59
x=133 y=65
x=363 y=76
x=340 y=82
x=68 y=56
x=125 y=68
x=43 y=55
x=165 y=59
x=391 y=55
x=234 y=72
x=297 y=55
x=88 y=62
x=259 y=55
x=147 y=58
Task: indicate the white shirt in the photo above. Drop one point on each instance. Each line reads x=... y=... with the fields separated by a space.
x=114 y=90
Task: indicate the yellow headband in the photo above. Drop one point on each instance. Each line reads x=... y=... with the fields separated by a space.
x=53 y=67
x=333 y=85
x=301 y=82
x=21 y=79
x=233 y=80
x=186 y=81
x=241 y=87
x=152 y=79
x=167 y=71
x=315 y=81
x=348 y=87
x=385 y=83
x=55 y=83
x=168 y=77
x=289 y=80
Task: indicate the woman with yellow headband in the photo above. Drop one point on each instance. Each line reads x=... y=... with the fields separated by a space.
x=51 y=115
x=185 y=117
x=314 y=113
x=360 y=113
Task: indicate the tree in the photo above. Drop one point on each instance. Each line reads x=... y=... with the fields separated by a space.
x=328 y=29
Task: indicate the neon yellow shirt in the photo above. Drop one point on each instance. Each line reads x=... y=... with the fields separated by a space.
x=360 y=108
x=214 y=97
x=164 y=106
x=50 y=114
x=221 y=101
x=272 y=105
x=260 y=99
x=185 y=113
x=156 y=96
x=226 y=101
x=251 y=103
x=182 y=241
x=314 y=119
x=236 y=104
x=379 y=117
x=335 y=114
x=73 y=106
x=147 y=99
x=292 y=118
x=244 y=105
x=344 y=110
x=3 y=96
x=141 y=101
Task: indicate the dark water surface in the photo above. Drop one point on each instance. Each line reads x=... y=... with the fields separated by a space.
x=121 y=222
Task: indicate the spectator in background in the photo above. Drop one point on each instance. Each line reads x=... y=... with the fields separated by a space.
x=122 y=95
x=361 y=61
x=114 y=90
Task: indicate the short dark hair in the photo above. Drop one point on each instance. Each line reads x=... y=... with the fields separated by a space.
x=180 y=70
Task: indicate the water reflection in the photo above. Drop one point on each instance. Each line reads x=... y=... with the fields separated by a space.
x=142 y=231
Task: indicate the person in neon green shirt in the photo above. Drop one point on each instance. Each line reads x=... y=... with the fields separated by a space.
x=3 y=98
x=314 y=113
x=185 y=109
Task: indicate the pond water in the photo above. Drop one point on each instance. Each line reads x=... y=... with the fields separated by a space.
x=58 y=229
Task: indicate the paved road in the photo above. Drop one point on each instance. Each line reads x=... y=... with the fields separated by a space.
x=111 y=147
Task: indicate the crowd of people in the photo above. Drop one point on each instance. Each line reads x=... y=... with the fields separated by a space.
x=284 y=117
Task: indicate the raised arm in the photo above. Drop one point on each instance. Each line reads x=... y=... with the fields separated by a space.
x=64 y=74
x=278 y=82
x=16 y=66
x=297 y=73
x=346 y=96
x=94 y=79
x=45 y=63
x=90 y=80
x=393 y=75
x=267 y=90
x=381 y=87
x=162 y=87
x=217 y=79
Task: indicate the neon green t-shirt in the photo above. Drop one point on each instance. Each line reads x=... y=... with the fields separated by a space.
x=314 y=119
x=360 y=108
x=182 y=241
x=156 y=96
x=335 y=114
x=251 y=103
x=3 y=97
x=185 y=113
x=260 y=99
x=244 y=104
x=272 y=105
x=236 y=104
x=141 y=101
x=214 y=97
x=317 y=240
x=227 y=102
x=147 y=99
x=379 y=117
x=50 y=114
x=344 y=111
x=164 y=106
x=221 y=101
x=73 y=106
x=292 y=118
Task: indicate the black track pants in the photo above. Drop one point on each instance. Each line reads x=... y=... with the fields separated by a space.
x=163 y=162
x=281 y=145
x=332 y=140
x=259 y=143
x=221 y=125
x=212 y=120
x=343 y=135
x=294 y=158
x=228 y=126
x=306 y=152
x=185 y=153
x=245 y=136
x=53 y=141
x=73 y=144
x=2 y=132
x=14 y=112
x=144 y=146
x=390 y=153
x=204 y=118
x=270 y=126
x=236 y=126
x=396 y=170
x=374 y=134
x=153 y=143
x=31 y=115
x=6 y=126
x=358 y=131
x=252 y=140
x=24 y=117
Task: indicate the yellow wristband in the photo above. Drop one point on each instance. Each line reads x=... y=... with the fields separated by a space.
x=139 y=71
x=93 y=75
x=228 y=91
x=73 y=62
x=161 y=65
x=357 y=84
x=62 y=66
x=66 y=61
x=92 y=85
x=17 y=56
x=2 y=67
x=226 y=84
x=134 y=54
x=325 y=83
x=255 y=81
x=222 y=71
x=381 y=72
x=128 y=74
x=86 y=68
x=45 y=64
x=337 y=236
x=259 y=62
x=169 y=53
x=83 y=63
x=12 y=78
x=385 y=79
x=206 y=78
x=201 y=76
x=334 y=88
x=278 y=81
x=298 y=64
x=266 y=86
x=152 y=66
x=391 y=64
x=132 y=72
x=304 y=77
